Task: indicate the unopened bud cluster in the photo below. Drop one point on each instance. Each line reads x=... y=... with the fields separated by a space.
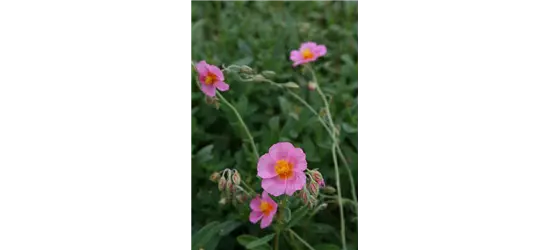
x=228 y=183
x=309 y=195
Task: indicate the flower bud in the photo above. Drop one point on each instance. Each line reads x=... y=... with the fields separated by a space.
x=246 y=69
x=241 y=198
x=317 y=177
x=215 y=176
x=223 y=201
x=329 y=190
x=313 y=188
x=311 y=86
x=312 y=203
x=236 y=178
x=230 y=187
x=304 y=197
x=268 y=73
x=222 y=183
x=258 y=78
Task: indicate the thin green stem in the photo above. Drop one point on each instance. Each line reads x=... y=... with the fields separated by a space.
x=330 y=120
x=300 y=239
x=341 y=216
x=332 y=135
x=241 y=123
x=248 y=187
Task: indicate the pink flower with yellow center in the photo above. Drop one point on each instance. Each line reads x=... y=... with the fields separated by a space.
x=308 y=52
x=282 y=169
x=264 y=209
x=210 y=77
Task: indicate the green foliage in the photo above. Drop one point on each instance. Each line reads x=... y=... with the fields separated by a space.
x=261 y=35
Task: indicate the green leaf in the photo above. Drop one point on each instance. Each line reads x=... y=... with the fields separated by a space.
x=291 y=85
x=274 y=123
x=287 y=214
x=326 y=247
x=227 y=227
x=262 y=241
x=246 y=239
x=244 y=61
x=348 y=128
x=297 y=216
x=204 y=154
x=204 y=235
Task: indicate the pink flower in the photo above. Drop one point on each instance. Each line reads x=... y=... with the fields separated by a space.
x=282 y=169
x=308 y=52
x=210 y=77
x=263 y=209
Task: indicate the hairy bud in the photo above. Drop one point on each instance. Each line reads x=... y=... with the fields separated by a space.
x=215 y=176
x=223 y=201
x=268 y=73
x=304 y=197
x=329 y=190
x=242 y=198
x=246 y=69
x=236 y=178
x=317 y=177
x=222 y=183
x=311 y=86
x=313 y=188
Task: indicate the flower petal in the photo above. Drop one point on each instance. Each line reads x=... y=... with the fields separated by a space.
x=274 y=186
x=307 y=45
x=297 y=157
x=280 y=150
x=209 y=90
x=255 y=204
x=295 y=55
x=214 y=69
x=222 y=86
x=255 y=216
x=265 y=166
x=320 y=50
x=296 y=182
x=202 y=68
x=267 y=220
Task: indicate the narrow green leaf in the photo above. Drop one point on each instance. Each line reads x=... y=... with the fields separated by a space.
x=287 y=214
x=203 y=235
x=297 y=216
x=262 y=241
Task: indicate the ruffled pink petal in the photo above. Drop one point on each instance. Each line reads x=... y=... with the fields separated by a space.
x=255 y=204
x=255 y=216
x=222 y=86
x=274 y=186
x=295 y=55
x=202 y=68
x=217 y=72
x=267 y=220
x=265 y=166
x=319 y=51
x=280 y=150
x=295 y=183
x=307 y=45
x=209 y=90
x=297 y=157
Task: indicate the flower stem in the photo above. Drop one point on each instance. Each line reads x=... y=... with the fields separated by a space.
x=341 y=216
x=334 y=138
x=300 y=239
x=250 y=137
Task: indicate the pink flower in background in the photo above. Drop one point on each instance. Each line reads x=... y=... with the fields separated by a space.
x=210 y=77
x=264 y=209
x=308 y=52
x=282 y=169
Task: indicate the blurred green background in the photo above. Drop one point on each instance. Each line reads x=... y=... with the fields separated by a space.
x=261 y=35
